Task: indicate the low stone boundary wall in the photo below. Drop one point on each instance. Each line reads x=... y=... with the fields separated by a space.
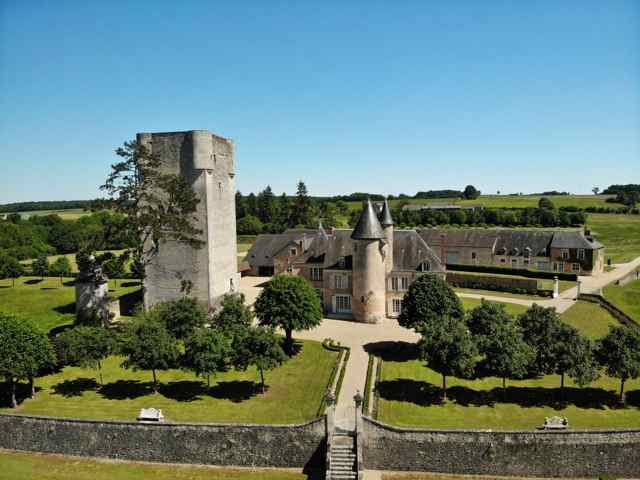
x=287 y=446
x=611 y=308
x=519 y=453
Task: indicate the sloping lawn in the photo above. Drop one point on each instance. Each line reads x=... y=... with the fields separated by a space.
x=51 y=304
x=591 y=319
x=294 y=392
x=620 y=235
x=27 y=466
x=626 y=298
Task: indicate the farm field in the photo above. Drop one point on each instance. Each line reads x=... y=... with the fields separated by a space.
x=27 y=466
x=619 y=233
x=67 y=214
x=50 y=305
x=626 y=298
x=294 y=392
x=409 y=392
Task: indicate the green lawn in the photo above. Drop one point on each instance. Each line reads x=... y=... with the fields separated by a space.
x=28 y=466
x=511 y=308
x=620 y=235
x=51 y=305
x=592 y=320
x=409 y=392
x=626 y=298
x=293 y=395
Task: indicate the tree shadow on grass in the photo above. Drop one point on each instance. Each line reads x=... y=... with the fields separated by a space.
x=184 y=390
x=130 y=302
x=236 y=390
x=126 y=389
x=22 y=393
x=425 y=394
x=75 y=387
x=390 y=351
x=66 y=309
x=130 y=284
x=69 y=283
x=33 y=281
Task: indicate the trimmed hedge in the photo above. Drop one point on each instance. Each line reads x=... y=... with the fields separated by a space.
x=526 y=286
x=513 y=271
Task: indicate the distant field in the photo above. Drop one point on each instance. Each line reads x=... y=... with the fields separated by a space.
x=619 y=233
x=626 y=298
x=27 y=466
x=69 y=214
x=71 y=257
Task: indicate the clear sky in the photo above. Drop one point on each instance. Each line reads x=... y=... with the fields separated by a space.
x=388 y=97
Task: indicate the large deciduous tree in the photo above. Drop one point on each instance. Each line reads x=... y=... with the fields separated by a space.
x=87 y=347
x=428 y=300
x=260 y=347
x=61 y=267
x=147 y=345
x=159 y=207
x=540 y=328
x=24 y=350
x=619 y=353
x=234 y=314
x=448 y=348
x=574 y=356
x=207 y=352
x=40 y=266
x=180 y=317
x=290 y=303
x=10 y=267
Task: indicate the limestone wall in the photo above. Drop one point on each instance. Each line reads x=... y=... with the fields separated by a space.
x=216 y=444
x=520 y=453
x=369 y=282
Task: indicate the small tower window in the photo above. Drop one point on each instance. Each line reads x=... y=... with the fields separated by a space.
x=424 y=267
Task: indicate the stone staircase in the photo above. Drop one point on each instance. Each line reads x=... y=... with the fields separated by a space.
x=343 y=458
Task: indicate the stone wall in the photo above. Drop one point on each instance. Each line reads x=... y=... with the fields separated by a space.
x=521 y=453
x=618 y=314
x=286 y=446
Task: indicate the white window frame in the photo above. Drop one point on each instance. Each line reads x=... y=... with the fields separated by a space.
x=514 y=262
x=565 y=254
x=424 y=266
x=575 y=267
x=342 y=304
x=404 y=283
x=396 y=305
x=316 y=274
x=558 y=266
x=341 y=281
x=293 y=252
x=581 y=254
x=395 y=284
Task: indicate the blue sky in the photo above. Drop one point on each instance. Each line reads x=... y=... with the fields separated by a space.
x=372 y=96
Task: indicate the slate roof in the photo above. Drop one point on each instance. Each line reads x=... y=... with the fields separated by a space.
x=516 y=242
x=368 y=226
x=459 y=237
x=574 y=239
x=267 y=246
x=410 y=249
x=385 y=215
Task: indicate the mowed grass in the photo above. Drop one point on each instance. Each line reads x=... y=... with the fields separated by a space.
x=27 y=466
x=293 y=395
x=48 y=303
x=511 y=308
x=409 y=392
x=620 y=235
x=625 y=297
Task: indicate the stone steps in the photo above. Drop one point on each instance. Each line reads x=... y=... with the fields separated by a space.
x=343 y=457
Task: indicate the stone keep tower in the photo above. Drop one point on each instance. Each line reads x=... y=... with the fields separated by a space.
x=369 y=270
x=206 y=162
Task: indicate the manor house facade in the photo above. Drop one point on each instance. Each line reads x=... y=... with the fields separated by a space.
x=361 y=274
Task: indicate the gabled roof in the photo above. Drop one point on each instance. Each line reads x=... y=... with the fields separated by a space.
x=516 y=242
x=410 y=250
x=459 y=237
x=368 y=226
x=574 y=239
x=267 y=246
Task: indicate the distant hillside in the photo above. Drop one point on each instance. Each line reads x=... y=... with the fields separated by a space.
x=45 y=205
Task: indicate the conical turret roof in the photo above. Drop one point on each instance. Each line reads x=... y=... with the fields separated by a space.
x=385 y=217
x=368 y=226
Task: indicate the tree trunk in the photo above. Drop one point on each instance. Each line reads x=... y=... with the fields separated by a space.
x=208 y=381
x=444 y=388
x=13 y=282
x=155 y=381
x=60 y=280
x=289 y=335
x=100 y=372
x=32 y=387
x=622 y=380
x=262 y=379
x=12 y=388
x=504 y=383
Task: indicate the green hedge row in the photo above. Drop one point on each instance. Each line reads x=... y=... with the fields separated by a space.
x=513 y=271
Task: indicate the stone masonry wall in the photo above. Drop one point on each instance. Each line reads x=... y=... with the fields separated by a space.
x=521 y=453
x=290 y=446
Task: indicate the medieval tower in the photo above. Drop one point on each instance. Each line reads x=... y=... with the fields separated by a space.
x=370 y=251
x=206 y=162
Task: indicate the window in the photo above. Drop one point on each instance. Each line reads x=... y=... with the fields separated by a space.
x=503 y=260
x=514 y=262
x=424 y=267
x=394 y=283
x=542 y=265
x=341 y=262
x=526 y=261
x=342 y=303
x=316 y=274
x=565 y=254
x=558 y=266
x=289 y=269
x=293 y=252
x=341 y=281
x=405 y=283
x=396 y=305
x=473 y=255
x=581 y=254
x=575 y=267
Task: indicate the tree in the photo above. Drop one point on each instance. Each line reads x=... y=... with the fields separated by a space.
x=470 y=192
x=448 y=349
x=258 y=346
x=158 y=206
x=290 y=303
x=147 y=345
x=302 y=208
x=207 y=352
x=234 y=314
x=61 y=267
x=595 y=190
x=40 y=266
x=267 y=212
x=506 y=353
x=24 y=350
x=574 y=356
x=113 y=265
x=284 y=211
x=484 y=319
x=240 y=206
x=619 y=353
x=249 y=225
x=428 y=300
x=546 y=204
x=11 y=268
x=251 y=205
x=180 y=317
x=87 y=347
x=540 y=327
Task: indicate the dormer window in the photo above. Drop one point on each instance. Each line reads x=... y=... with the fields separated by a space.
x=424 y=267
x=293 y=252
x=341 y=262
